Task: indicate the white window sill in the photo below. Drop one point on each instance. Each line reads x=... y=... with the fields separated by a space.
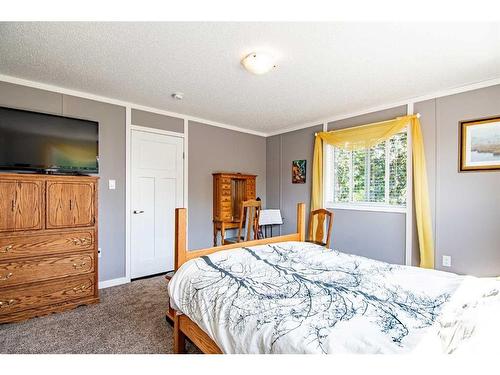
x=366 y=207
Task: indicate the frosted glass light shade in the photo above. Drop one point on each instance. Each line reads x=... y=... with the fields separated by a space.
x=258 y=62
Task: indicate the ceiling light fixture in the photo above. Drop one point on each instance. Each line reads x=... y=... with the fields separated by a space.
x=178 y=95
x=259 y=62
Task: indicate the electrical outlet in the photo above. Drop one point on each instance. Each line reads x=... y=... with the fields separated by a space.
x=446 y=261
x=112 y=184
x=99 y=252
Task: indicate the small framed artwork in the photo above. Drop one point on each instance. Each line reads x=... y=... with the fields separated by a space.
x=299 y=172
x=480 y=144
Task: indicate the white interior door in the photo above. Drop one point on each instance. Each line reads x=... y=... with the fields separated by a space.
x=157 y=189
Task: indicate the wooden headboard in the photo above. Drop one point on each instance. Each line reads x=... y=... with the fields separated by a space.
x=182 y=254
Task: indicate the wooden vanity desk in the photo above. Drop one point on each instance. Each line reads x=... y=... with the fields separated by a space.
x=230 y=189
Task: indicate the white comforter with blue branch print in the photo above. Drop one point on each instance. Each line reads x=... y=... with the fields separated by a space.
x=296 y=297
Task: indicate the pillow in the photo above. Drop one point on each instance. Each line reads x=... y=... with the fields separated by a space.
x=470 y=322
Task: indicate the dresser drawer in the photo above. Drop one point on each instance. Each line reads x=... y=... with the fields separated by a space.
x=45 y=244
x=17 y=272
x=225 y=198
x=225 y=192
x=226 y=215
x=45 y=294
x=251 y=193
x=226 y=205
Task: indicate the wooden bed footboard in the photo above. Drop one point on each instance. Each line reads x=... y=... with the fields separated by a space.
x=185 y=327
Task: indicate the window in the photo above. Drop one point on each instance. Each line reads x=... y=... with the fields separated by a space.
x=374 y=178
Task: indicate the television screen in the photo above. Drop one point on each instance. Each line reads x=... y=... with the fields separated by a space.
x=42 y=142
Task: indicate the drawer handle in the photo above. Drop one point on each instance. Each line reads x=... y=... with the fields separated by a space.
x=7 y=303
x=80 y=288
x=6 y=277
x=82 y=241
x=6 y=249
x=76 y=266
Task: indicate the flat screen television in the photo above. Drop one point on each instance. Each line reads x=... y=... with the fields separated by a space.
x=39 y=142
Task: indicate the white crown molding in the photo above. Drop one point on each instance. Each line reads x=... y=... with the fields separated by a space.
x=86 y=95
x=297 y=127
x=122 y=103
x=410 y=101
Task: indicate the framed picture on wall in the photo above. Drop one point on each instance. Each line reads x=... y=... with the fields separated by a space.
x=299 y=172
x=480 y=144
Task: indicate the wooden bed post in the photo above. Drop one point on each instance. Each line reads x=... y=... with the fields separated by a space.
x=179 y=337
x=180 y=237
x=301 y=221
x=179 y=259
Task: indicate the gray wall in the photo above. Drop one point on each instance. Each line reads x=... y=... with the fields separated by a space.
x=282 y=150
x=368 y=118
x=273 y=172
x=465 y=205
x=376 y=235
x=111 y=120
x=213 y=149
x=23 y=97
x=155 y=120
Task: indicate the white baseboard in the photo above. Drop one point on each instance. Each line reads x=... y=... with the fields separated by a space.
x=113 y=282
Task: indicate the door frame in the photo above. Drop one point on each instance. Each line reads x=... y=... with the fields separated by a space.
x=128 y=177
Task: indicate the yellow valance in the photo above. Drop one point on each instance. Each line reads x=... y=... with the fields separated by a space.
x=367 y=136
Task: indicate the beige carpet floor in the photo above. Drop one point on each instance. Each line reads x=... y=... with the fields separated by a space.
x=129 y=319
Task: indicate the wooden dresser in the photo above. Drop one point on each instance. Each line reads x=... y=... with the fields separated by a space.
x=48 y=244
x=230 y=189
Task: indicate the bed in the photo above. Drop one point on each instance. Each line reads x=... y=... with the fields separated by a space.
x=284 y=295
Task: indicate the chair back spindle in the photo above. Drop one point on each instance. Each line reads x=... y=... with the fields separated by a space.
x=248 y=228
x=319 y=235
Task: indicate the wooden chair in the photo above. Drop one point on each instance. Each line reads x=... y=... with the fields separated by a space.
x=318 y=237
x=249 y=215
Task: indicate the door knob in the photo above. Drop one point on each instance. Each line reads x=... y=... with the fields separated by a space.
x=138 y=212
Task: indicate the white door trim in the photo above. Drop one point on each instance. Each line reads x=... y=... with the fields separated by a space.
x=128 y=196
x=156 y=131
x=186 y=163
x=128 y=165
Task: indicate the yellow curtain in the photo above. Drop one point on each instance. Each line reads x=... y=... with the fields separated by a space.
x=367 y=136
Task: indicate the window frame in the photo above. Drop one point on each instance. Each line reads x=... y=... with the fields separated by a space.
x=329 y=184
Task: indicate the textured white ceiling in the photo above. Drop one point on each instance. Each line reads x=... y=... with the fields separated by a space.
x=324 y=68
